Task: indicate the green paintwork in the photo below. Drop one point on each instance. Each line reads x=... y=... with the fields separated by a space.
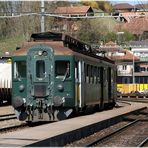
x=92 y=92
x=68 y=84
x=47 y=80
x=17 y=82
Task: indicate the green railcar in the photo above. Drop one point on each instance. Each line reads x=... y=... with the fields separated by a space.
x=53 y=79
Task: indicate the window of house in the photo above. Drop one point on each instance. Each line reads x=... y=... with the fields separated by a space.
x=124 y=67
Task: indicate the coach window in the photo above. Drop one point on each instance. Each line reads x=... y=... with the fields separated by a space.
x=40 y=69
x=98 y=75
x=20 y=69
x=92 y=75
x=87 y=73
x=95 y=75
x=62 y=69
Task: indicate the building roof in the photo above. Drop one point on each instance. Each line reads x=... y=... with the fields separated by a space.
x=137 y=25
x=143 y=43
x=123 y=6
x=128 y=56
x=73 y=10
x=110 y=46
x=141 y=6
x=131 y=15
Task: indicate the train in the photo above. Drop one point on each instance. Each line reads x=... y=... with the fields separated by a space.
x=5 y=80
x=55 y=76
x=126 y=86
x=129 y=88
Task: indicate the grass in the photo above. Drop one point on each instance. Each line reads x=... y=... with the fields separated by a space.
x=10 y=44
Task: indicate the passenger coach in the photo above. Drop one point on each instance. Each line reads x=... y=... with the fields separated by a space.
x=54 y=77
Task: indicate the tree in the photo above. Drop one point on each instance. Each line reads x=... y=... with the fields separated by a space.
x=93 y=4
x=105 y=6
x=110 y=36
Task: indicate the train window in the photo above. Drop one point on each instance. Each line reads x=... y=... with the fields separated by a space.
x=91 y=75
x=40 y=69
x=62 y=69
x=87 y=73
x=95 y=75
x=98 y=75
x=20 y=69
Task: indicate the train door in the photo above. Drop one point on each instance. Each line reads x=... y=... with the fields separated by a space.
x=102 y=84
x=79 y=83
x=40 y=68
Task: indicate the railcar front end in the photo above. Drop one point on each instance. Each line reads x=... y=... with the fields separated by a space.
x=42 y=85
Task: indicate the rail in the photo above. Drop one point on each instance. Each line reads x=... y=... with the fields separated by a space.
x=7 y=117
x=111 y=134
x=145 y=141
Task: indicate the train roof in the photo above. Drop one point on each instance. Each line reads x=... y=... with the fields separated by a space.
x=66 y=46
x=57 y=46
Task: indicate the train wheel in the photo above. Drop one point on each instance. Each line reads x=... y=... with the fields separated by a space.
x=62 y=114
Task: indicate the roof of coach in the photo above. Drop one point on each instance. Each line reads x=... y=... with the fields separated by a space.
x=57 y=46
x=62 y=45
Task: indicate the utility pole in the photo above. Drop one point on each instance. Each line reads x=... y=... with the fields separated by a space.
x=42 y=16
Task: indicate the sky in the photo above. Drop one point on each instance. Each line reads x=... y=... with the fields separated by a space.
x=118 y=1
x=133 y=2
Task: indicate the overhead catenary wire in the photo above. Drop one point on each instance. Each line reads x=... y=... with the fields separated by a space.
x=68 y=16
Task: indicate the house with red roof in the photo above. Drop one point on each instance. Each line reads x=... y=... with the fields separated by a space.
x=70 y=25
x=74 y=11
x=137 y=26
x=123 y=7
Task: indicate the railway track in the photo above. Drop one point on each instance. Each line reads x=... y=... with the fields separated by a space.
x=114 y=137
x=124 y=133
x=7 y=117
x=9 y=122
x=144 y=143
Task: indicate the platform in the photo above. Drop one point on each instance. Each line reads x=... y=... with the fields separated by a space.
x=53 y=134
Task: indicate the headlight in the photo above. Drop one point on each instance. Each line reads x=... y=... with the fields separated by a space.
x=39 y=53
x=21 y=88
x=60 y=87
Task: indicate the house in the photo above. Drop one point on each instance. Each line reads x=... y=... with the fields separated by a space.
x=128 y=16
x=142 y=7
x=125 y=66
x=75 y=11
x=123 y=7
x=132 y=68
x=122 y=57
x=70 y=25
x=140 y=49
x=127 y=12
x=110 y=49
x=137 y=26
